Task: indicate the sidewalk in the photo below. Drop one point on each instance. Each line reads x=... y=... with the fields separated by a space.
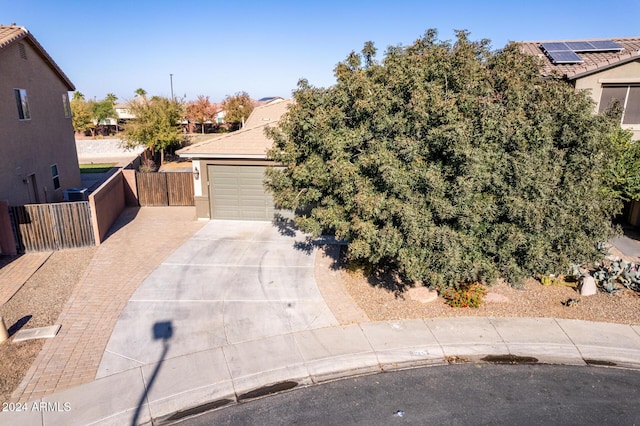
x=174 y=321
x=199 y=381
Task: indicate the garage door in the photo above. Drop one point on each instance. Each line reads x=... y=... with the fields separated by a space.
x=237 y=193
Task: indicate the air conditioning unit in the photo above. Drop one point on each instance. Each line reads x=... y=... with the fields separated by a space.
x=76 y=194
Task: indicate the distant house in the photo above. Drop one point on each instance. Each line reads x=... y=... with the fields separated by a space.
x=267 y=100
x=38 y=160
x=123 y=110
x=229 y=170
x=608 y=68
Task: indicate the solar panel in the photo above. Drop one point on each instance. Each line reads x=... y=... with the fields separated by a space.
x=580 y=46
x=604 y=45
x=554 y=47
x=564 y=57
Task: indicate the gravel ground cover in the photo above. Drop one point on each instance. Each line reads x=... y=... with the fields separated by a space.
x=383 y=299
x=38 y=304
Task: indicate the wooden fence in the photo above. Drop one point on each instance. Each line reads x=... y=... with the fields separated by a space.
x=43 y=227
x=165 y=189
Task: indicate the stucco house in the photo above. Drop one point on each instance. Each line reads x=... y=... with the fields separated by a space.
x=229 y=170
x=39 y=159
x=607 y=68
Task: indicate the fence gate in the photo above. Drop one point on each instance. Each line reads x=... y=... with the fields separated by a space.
x=165 y=189
x=45 y=227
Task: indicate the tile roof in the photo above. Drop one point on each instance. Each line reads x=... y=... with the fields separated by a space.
x=592 y=61
x=249 y=142
x=10 y=34
x=267 y=113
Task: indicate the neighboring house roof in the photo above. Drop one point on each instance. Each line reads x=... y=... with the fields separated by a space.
x=268 y=99
x=249 y=142
x=11 y=34
x=591 y=61
x=267 y=113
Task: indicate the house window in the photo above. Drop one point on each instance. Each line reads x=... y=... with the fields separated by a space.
x=66 y=106
x=22 y=103
x=629 y=98
x=55 y=177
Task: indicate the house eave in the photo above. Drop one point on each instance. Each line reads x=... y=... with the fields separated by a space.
x=602 y=68
x=224 y=156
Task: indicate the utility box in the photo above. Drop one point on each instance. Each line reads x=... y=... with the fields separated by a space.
x=76 y=194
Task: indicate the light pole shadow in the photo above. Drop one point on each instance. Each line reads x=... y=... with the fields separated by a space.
x=162 y=330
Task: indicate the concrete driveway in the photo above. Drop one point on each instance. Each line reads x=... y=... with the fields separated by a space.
x=233 y=281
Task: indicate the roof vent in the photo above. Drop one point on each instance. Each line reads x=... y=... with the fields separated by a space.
x=23 y=52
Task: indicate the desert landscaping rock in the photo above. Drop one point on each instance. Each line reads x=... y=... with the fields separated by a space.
x=496 y=298
x=587 y=286
x=422 y=294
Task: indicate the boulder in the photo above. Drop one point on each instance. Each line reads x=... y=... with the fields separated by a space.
x=422 y=294
x=587 y=286
x=495 y=297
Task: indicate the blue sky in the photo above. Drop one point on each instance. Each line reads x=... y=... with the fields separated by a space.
x=218 y=48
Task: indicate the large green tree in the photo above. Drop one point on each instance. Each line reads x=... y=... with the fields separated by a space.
x=156 y=124
x=237 y=109
x=448 y=162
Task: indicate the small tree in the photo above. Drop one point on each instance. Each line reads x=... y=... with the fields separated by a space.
x=449 y=163
x=102 y=110
x=156 y=124
x=201 y=110
x=623 y=177
x=82 y=116
x=237 y=109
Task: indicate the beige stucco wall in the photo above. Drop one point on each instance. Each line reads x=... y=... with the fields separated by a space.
x=107 y=202
x=625 y=73
x=33 y=146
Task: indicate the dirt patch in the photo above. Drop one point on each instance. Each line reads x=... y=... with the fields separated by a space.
x=37 y=304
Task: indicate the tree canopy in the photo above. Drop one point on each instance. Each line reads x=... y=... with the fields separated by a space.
x=237 y=109
x=89 y=115
x=156 y=124
x=81 y=113
x=448 y=162
x=200 y=111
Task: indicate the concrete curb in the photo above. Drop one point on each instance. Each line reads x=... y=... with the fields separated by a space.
x=178 y=387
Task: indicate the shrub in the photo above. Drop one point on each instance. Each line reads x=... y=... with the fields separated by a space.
x=449 y=162
x=465 y=296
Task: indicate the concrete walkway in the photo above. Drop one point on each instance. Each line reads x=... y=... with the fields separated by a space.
x=143 y=238
x=235 y=312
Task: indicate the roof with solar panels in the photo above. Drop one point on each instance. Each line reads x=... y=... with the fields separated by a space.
x=572 y=59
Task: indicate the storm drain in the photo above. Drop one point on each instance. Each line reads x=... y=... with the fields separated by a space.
x=210 y=406
x=600 y=363
x=268 y=390
x=510 y=359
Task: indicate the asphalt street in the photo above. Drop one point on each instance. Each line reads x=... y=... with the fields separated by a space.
x=464 y=394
